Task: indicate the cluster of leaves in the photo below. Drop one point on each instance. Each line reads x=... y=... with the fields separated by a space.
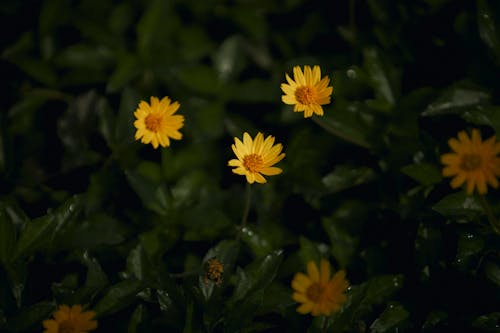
x=88 y=216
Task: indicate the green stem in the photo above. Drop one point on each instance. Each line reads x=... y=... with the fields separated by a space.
x=489 y=213
x=246 y=210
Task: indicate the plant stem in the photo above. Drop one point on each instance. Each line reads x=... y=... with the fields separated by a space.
x=489 y=213
x=246 y=210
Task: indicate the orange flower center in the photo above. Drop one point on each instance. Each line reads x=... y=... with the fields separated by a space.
x=316 y=292
x=305 y=95
x=153 y=122
x=253 y=162
x=470 y=162
x=66 y=326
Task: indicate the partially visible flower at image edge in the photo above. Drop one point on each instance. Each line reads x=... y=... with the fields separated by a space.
x=317 y=293
x=473 y=161
x=156 y=122
x=256 y=157
x=70 y=320
x=307 y=91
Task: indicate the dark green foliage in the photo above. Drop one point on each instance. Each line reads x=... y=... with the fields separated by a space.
x=90 y=216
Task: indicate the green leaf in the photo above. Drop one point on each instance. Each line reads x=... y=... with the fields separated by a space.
x=384 y=79
x=362 y=298
x=153 y=195
x=118 y=296
x=434 y=320
x=309 y=251
x=349 y=123
x=95 y=281
x=7 y=235
x=456 y=100
x=489 y=322
x=128 y=68
x=458 y=205
x=342 y=243
x=200 y=79
x=37 y=69
x=469 y=247
x=240 y=316
x=492 y=271
x=424 y=173
x=488 y=28
x=41 y=231
x=393 y=317
x=257 y=276
x=260 y=242
x=138 y=320
x=30 y=317
x=254 y=91
x=229 y=60
x=226 y=252
x=344 y=177
x=124 y=131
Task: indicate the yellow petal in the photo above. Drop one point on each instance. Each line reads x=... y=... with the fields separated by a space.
x=312 y=271
x=324 y=271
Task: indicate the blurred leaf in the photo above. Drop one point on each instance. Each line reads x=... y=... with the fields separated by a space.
x=85 y=56
x=36 y=69
x=385 y=80
x=260 y=242
x=488 y=322
x=488 y=28
x=257 y=276
x=393 y=317
x=492 y=271
x=308 y=251
x=153 y=195
x=118 y=296
x=30 y=317
x=201 y=79
x=428 y=248
x=124 y=131
x=489 y=116
x=138 y=319
x=7 y=235
x=127 y=69
x=95 y=281
x=141 y=266
x=240 y=316
x=469 y=247
x=343 y=245
x=456 y=100
x=229 y=60
x=344 y=177
x=433 y=320
x=458 y=204
x=254 y=91
x=424 y=173
x=194 y=43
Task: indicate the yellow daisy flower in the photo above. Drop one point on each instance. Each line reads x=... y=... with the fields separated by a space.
x=70 y=320
x=256 y=157
x=156 y=122
x=473 y=161
x=319 y=294
x=307 y=91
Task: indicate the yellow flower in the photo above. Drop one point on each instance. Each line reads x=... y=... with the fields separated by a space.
x=307 y=91
x=70 y=320
x=156 y=122
x=256 y=157
x=319 y=294
x=473 y=161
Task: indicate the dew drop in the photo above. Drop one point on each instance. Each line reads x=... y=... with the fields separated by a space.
x=351 y=73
